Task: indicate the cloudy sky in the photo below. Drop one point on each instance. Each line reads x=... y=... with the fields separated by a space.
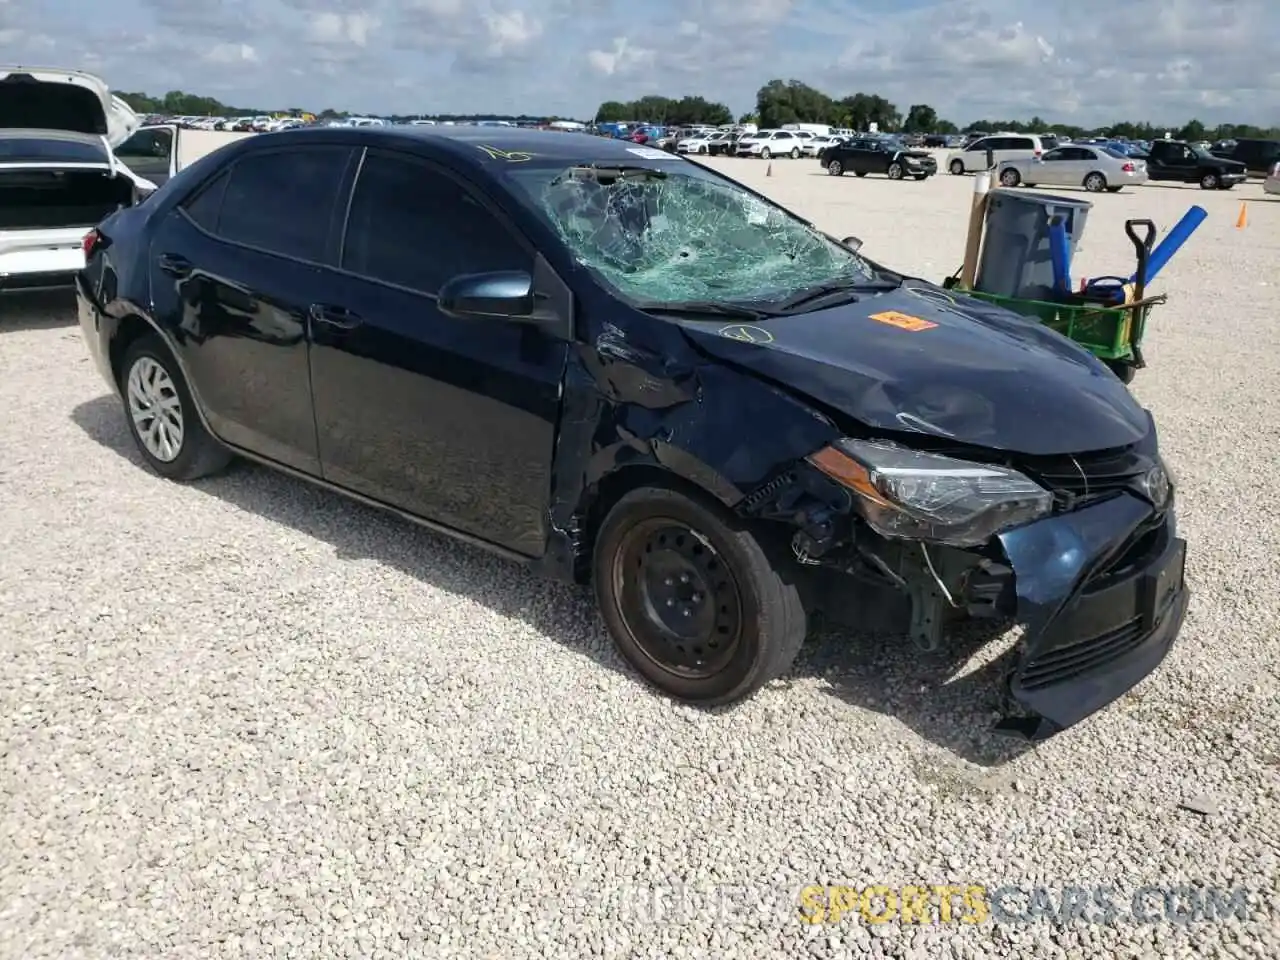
x=1086 y=61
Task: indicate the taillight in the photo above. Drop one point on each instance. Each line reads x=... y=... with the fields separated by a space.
x=1128 y=168
x=90 y=242
x=1036 y=153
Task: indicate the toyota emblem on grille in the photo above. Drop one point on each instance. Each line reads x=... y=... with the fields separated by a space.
x=1156 y=486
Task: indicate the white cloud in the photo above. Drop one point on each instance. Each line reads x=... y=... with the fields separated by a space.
x=1093 y=61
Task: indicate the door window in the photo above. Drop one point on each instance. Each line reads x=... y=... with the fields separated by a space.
x=415 y=227
x=147 y=151
x=283 y=201
x=982 y=146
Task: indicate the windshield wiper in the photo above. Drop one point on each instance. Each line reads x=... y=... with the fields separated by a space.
x=710 y=308
x=824 y=290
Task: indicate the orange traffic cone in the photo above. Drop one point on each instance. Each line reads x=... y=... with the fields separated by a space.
x=769 y=170
x=1242 y=221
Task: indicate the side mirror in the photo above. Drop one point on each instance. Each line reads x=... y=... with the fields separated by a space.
x=853 y=243
x=507 y=294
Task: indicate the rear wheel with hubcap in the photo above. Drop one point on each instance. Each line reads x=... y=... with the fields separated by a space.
x=162 y=416
x=691 y=598
x=1010 y=177
x=834 y=168
x=1095 y=183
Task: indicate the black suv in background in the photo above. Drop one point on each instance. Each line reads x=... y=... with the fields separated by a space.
x=1258 y=156
x=1181 y=162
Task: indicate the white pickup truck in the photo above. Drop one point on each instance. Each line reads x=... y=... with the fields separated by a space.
x=59 y=174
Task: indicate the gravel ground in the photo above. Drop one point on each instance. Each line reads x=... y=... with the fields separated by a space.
x=248 y=718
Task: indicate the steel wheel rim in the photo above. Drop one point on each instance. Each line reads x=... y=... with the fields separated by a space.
x=678 y=598
x=156 y=409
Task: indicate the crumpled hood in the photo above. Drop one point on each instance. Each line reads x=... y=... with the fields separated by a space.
x=926 y=360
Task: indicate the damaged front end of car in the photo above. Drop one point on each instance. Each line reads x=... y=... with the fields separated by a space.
x=1082 y=552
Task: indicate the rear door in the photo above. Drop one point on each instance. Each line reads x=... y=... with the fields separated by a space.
x=449 y=419
x=234 y=269
x=1061 y=167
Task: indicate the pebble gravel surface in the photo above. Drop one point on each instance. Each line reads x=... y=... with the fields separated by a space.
x=247 y=718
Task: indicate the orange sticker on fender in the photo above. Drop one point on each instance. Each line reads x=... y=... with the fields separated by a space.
x=903 y=321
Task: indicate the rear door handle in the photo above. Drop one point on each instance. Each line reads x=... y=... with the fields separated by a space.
x=340 y=318
x=174 y=265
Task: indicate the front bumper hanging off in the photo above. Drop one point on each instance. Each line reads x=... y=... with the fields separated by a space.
x=1102 y=595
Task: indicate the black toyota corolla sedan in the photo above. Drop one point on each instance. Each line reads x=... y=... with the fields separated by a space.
x=623 y=368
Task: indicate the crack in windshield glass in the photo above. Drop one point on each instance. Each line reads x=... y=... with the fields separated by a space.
x=678 y=235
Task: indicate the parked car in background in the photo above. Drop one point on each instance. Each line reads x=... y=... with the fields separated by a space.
x=936 y=140
x=885 y=155
x=703 y=143
x=1258 y=156
x=1179 y=162
x=767 y=144
x=158 y=152
x=1094 y=168
x=818 y=144
x=723 y=445
x=1003 y=147
x=59 y=174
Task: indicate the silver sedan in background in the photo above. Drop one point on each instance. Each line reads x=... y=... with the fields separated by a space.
x=1096 y=168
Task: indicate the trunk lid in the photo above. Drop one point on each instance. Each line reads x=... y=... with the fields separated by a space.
x=44 y=98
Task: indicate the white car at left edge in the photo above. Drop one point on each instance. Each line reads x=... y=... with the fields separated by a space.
x=59 y=175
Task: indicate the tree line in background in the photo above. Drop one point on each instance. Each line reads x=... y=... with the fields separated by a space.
x=778 y=102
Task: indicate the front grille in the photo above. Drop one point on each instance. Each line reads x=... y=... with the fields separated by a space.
x=1088 y=476
x=1073 y=659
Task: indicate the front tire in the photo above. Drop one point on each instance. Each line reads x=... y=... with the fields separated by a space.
x=795 y=153
x=1209 y=182
x=766 y=154
x=957 y=167
x=1010 y=178
x=895 y=171
x=162 y=416
x=691 y=598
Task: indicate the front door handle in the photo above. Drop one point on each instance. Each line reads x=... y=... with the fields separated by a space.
x=174 y=265
x=340 y=318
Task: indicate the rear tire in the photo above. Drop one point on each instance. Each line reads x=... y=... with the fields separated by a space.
x=765 y=154
x=691 y=598
x=162 y=415
x=1125 y=371
x=795 y=153
x=1010 y=177
x=835 y=169
x=1095 y=183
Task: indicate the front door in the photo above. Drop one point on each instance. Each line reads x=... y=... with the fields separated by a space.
x=151 y=152
x=453 y=420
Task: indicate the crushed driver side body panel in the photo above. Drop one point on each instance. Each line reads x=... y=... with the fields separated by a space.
x=1096 y=619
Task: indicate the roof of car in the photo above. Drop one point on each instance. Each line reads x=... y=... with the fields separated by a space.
x=500 y=146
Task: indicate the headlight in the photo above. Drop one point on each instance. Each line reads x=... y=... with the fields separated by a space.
x=909 y=495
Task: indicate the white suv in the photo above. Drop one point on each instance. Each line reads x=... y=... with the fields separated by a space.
x=772 y=143
x=1003 y=147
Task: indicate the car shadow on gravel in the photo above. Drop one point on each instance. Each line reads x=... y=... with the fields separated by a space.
x=879 y=671
x=37 y=309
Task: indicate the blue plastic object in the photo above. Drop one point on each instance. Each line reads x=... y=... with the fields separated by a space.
x=1172 y=242
x=1060 y=253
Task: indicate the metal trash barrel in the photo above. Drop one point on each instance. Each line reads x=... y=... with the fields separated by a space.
x=1016 y=260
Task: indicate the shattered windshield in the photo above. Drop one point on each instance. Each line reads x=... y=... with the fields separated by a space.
x=671 y=232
